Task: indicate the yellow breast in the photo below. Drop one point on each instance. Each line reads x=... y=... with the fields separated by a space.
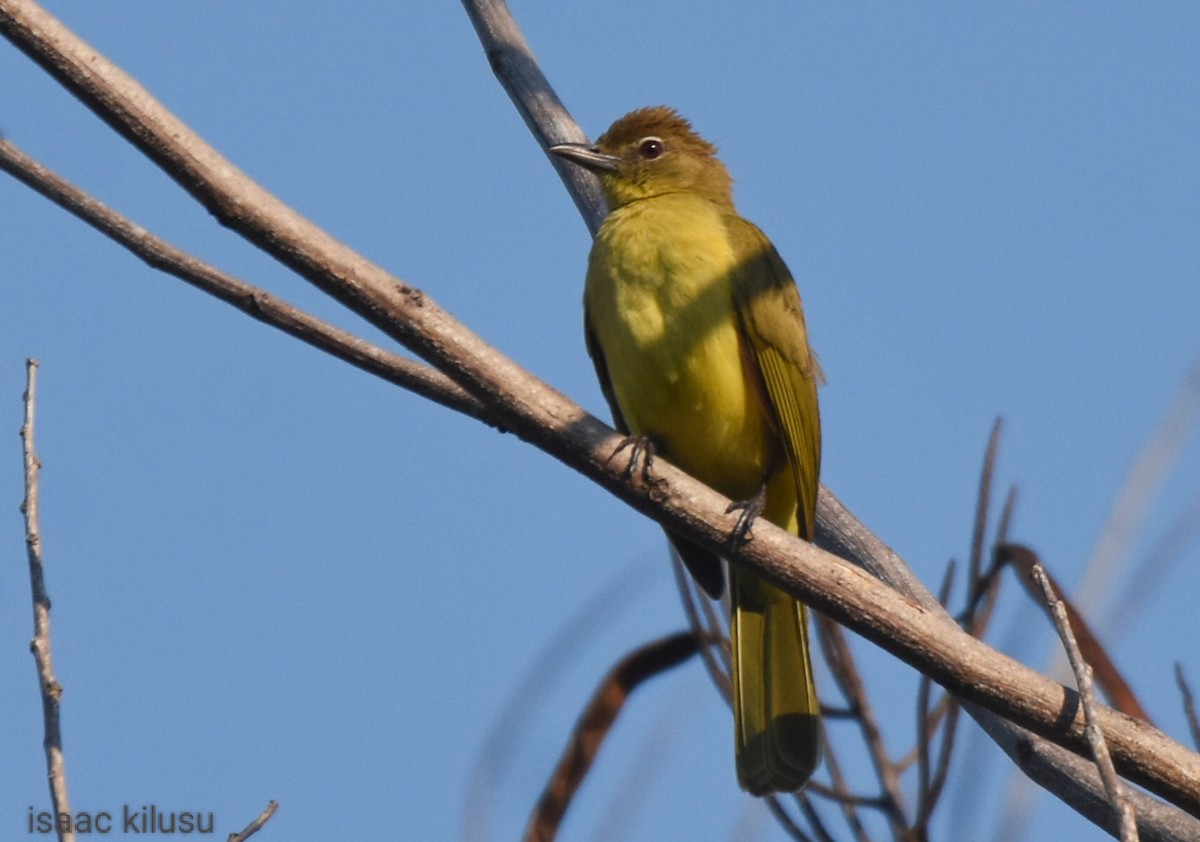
x=660 y=304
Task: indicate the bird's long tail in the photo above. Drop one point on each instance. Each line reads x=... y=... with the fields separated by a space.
x=775 y=709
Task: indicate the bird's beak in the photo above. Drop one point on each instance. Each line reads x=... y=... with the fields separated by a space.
x=588 y=157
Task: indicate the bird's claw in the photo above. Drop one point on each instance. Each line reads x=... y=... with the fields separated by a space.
x=642 y=453
x=750 y=509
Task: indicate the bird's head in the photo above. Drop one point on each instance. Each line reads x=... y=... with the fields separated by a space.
x=651 y=152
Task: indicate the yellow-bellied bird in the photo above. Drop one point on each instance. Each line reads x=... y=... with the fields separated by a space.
x=696 y=331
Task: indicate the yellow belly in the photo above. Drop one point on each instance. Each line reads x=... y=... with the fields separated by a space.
x=660 y=304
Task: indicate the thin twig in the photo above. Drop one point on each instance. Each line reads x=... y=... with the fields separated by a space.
x=716 y=622
x=716 y=655
x=256 y=825
x=1189 y=704
x=941 y=771
x=775 y=806
x=841 y=665
x=594 y=724
x=840 y=793
x=937 y=714
x=931 y=779
x=814 y=818
x=843 y=796
x=51 y=690
x=982 y=504
x=837 y=712
x=1122 y=807
x=985 y=594
x=925 y=727
x=1006 y=515
x=976 y=580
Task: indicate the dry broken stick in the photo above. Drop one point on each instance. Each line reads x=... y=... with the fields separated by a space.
x=51 y=690
x=593 y=726
x=256 y=825
x=1122 y=806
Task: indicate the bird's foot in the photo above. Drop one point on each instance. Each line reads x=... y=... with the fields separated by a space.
x=750 y=509
x=641 y=453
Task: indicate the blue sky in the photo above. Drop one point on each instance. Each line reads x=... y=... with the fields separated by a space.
x=277 y=577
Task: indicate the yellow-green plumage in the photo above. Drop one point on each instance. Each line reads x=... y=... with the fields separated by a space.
x=698 y=337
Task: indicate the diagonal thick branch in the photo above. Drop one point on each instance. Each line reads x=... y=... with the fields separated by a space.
x=920 y=634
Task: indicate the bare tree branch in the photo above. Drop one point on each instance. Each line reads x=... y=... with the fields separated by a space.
x=1083 y=677
x=255 y=302
x=51 y=690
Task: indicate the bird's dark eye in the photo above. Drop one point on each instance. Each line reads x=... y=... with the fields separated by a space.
x=651 y=148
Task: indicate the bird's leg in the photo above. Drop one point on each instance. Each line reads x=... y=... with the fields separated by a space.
x=750 y=509
x=642 y=451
